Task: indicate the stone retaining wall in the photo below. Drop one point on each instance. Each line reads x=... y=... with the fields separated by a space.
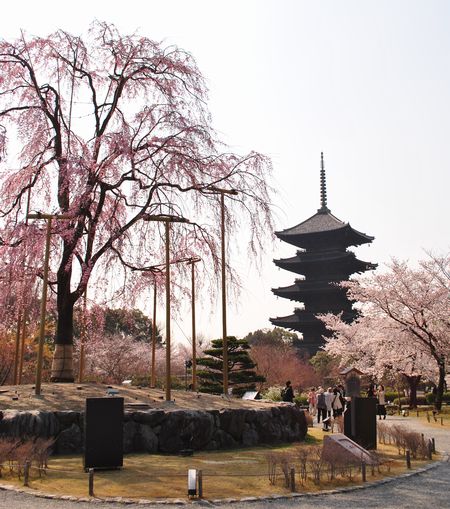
x=168 y=432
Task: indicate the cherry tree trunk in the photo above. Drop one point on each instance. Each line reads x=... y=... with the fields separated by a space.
x=62 y=365
x=413 y=382
x=441 y=383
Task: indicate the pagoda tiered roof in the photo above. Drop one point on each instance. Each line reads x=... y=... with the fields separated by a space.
x=303 y=287
x=323 y=225
x=305 y=319
x=324 y=260
x=337 y=262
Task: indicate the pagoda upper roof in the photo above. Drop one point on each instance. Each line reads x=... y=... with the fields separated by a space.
x=323 y=223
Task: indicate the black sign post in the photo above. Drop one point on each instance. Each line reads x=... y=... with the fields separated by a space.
x=103 y=433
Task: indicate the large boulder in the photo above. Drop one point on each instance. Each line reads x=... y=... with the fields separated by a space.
x=188 y=429
x=69 y=441
x=31 y=423
x=150 y=417
x=233 y=422
x=224 y=440
x=130 y=437
x=147 y=441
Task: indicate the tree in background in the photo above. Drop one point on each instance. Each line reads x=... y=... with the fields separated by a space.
x=241 y=369
x=406 y=315
x=128 y=322
x=118 y=344
x=326 y=367
x=279 y=361
x=275 y=336
x=19 y=304
x=106 y=130
x=379 y=348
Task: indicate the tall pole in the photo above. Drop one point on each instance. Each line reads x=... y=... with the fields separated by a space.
x=17 y=349
x=168 y=380
x=193 y=261
x=21 y=319
x=167 y=219
x=40 y=355
x=153 y=373
x=224 y=297
x=22 y=345
x=83 y=339
x=222 y=192
x=194 y=336
x=48 y=218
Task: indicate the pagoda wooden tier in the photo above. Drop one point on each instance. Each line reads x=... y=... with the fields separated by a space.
x=324 y=261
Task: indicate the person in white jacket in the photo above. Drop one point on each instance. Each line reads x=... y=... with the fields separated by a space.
x=329 y=396
x=336 y=404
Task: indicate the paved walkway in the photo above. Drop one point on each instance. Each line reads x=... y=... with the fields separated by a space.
x=423 y=490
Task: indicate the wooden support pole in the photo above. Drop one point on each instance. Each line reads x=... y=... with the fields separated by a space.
x=168 y=346
x=408 y=459
x=194 y=335
x=434 y=445
x=22 y=345
x=40 y=354
x=200 y=483
x=224 y=299
x=153 y=372
x=17 y=348
x=363 y=472
x=292 y=479
x=83 y=338
x=91 y=482
x=26 y=473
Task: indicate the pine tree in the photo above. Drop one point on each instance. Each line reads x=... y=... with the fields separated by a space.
x=241 y=373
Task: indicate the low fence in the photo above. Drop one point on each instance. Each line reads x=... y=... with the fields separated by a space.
x=286 y=470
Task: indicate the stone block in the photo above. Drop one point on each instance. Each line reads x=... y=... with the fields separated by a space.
x=338 y=448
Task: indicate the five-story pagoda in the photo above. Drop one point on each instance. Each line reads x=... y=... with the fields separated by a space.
x=324 y=261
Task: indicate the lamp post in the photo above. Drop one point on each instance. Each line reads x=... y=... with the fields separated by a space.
x=192 y=262
x=167 y=219
x=48 y=218
x=223 y=192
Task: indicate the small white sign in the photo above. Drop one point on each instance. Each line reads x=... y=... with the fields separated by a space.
x=192 y=482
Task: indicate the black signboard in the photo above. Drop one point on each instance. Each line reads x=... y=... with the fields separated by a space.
x=103 y=433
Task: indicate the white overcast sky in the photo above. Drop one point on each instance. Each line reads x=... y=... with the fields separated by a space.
x=366 y=82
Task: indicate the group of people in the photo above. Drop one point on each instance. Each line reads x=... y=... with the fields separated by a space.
x=327 y=403
x=332 y=402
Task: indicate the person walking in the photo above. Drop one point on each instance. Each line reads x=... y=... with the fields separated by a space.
x=312 y=401
x=337 y=403
x=381 y=407
x=321 y=406
x=329 y=396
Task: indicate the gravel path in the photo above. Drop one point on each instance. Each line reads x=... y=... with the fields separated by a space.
x=427 y=489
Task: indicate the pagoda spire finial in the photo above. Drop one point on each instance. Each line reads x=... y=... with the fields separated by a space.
x=323 y=188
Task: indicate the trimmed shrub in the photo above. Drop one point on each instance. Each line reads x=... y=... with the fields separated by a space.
x=273 y=393
x=431 y=398
x=300 y=399
x=421 y=400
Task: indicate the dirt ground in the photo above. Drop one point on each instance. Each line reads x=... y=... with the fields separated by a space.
x=56 y=396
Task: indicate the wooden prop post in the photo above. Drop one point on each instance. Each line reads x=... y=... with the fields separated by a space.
x=48 y=218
